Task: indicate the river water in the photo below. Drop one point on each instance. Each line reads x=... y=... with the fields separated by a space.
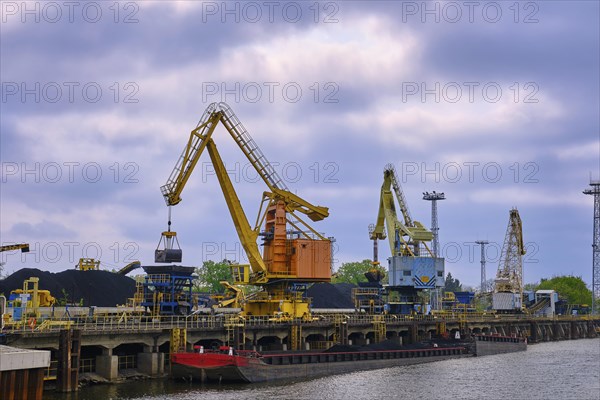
x=567 y=370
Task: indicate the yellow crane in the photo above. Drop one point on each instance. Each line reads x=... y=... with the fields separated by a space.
x=404 y=236
x=412 y=266
x=508 y=288
x=291 y=258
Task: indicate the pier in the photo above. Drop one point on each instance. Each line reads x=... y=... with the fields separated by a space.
x=22 y=373
x=111 y=347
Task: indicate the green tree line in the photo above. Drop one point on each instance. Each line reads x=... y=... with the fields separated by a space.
x=570 y=288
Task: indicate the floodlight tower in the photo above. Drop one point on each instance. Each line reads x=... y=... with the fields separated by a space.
x=595 y=190
x=434 y=197
x=482 y=243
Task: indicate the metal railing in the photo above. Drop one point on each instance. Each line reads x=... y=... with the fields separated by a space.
x=137 y=323
x=321 y=345
x=52 y=371
x=127 y=362
x=87 y=365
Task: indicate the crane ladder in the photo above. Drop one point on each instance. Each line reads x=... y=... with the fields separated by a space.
x=399 y=195
x=190 y=155
x=251 y=149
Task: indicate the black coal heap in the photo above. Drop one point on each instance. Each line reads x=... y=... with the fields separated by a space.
x=96 y=288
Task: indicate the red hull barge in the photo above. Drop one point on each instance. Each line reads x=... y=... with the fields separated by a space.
x=251 y=367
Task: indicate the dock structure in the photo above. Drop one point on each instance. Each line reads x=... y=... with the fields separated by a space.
x=22 y=373
x=112 y=347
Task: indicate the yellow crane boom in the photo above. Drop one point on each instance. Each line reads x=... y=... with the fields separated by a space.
x=390 y=173
x=199 y=139
x=290 y=256
x=402 y=235
x=247 y=235
x=24 y=247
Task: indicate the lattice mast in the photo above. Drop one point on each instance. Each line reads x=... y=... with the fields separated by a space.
x=482 y=243
x=434 y=197
x=595 y=191
x=510 y=268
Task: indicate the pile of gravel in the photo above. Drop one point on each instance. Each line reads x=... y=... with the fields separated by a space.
x=96 y=288
x=328 y=295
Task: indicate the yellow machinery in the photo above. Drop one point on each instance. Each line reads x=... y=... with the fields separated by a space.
x=449 y=297
x=375 y=273
x=88 y=264
x=37 y=297
x=2 y=311
x=129 y=267
x=291 y=258
x=24 y=247
x=232 y=298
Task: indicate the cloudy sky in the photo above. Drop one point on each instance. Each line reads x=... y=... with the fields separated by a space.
x=496 y=104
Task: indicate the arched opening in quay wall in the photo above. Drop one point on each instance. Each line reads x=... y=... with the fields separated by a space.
x=357 y=338
x=269 y=343
x=87 y=358
x=315 y=341
x=212 y=344
x=127 y=355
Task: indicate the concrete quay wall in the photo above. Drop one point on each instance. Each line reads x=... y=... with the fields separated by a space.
x=108 y=352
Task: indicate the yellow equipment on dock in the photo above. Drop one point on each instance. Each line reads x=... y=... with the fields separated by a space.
x=88 y=264
x=38 y=297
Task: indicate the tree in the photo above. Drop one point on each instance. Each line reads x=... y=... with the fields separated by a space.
x=353 y=272
x=210 y=274
x=452 y=285
x=530 y=287
x=488 y=285
x=482 y=302
x=64 y=300
x=571 y=288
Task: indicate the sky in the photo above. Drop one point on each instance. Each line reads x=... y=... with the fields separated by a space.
x=496 y=104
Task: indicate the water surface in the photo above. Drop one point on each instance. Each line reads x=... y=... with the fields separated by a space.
x=568 y=370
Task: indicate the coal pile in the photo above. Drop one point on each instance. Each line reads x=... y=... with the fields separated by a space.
x=395 y=345
x=95 y=288
x=383 y=345
x=328 y=295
